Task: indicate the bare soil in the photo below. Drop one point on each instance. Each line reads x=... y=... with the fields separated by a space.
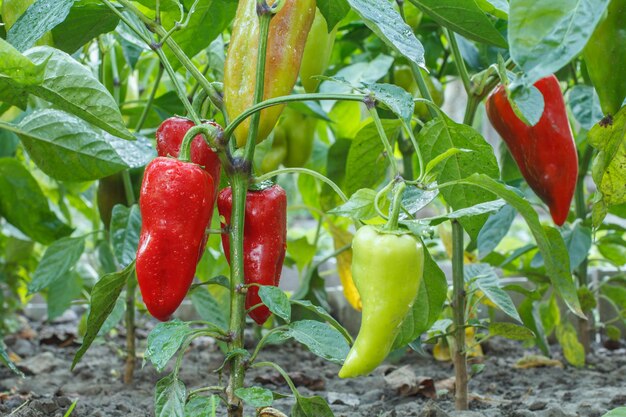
x=45 y=354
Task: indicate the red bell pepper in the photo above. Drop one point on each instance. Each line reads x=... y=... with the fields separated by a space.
x=176 y=204
x=264 y=240
x=170 y=136
x=545 y=153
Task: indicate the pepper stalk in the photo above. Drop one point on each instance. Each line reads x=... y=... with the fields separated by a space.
x=240 y=182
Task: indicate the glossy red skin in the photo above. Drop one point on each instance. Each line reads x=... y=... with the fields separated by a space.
x=170 y=136
x=176 y=204
x=545 y=153
x=264 y=241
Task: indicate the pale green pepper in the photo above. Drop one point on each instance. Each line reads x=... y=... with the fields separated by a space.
x=387 y=268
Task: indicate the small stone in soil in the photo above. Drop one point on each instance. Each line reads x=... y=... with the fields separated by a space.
x=537 y=405
x=343 y=398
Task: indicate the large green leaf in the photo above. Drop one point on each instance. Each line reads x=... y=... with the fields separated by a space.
x=209 y=20
x=463 y=17
x=442 y=134
x=87 y=19
x=609 y=167
x=39 y=18
x=366 y=165
x=68 y=149
x=23 y=204
x=388 y=25
x=72 y=87
x=547 y=34
x=57 y=262
x=549 y=240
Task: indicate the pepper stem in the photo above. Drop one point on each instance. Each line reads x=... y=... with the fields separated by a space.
x=392 y=223
x=458 y=306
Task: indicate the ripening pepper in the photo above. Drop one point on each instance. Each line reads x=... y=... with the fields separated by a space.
x=111 y=192
x=287 y=37
x=123 y=72
x=277 y=154
x=403 y=77
x=176 y=205
x=545 y=153
x=317 y=52
x=264 y=241
x=387 y=269
x=605 y=56
x=170 y=136
x=300 y=135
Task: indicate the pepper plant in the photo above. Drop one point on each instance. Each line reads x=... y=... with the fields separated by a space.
x=389 y=156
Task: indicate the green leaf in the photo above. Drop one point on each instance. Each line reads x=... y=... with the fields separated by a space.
x=169 y=397
x=125 y=229
x=87 y=19
x=301 y=251
x=62 y=292
x=578 y=242
x=442 y=134
x=324 y=315
x=104 y=295
x=573 y=351
x=498 y=8
x=494 y=230
x=366 y=165
x=311 y=407
x=464 y=18
x=23 y=204
x=484 y=277
x=477 y=210
x=276 y=300
x=528 y=104
x=613 y=248
x=348 y=78
x=39 y=18
x=549 y=240
x=57 y=262
x=360 y=206
x=548 y=34
x=321 y=339
x=510 y=331
x=208 y=307
x=529 y=313
x=210 y=19
x=4 y=358
x=66 y=148
x=17 y=74
x=388 y=25
x=427 y=306
x=550 y=314
x=609 y=166
x=255 y=397
x=199 y=406
x=164 y=341
x=333 y=10
x=72 y=87
x=397 y=99
x=585 y=105
x=618 y=412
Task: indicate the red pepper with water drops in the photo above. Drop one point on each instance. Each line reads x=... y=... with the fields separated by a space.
x=170 y=136
x=264 y=241
x=176 y=204
x=545 y=153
